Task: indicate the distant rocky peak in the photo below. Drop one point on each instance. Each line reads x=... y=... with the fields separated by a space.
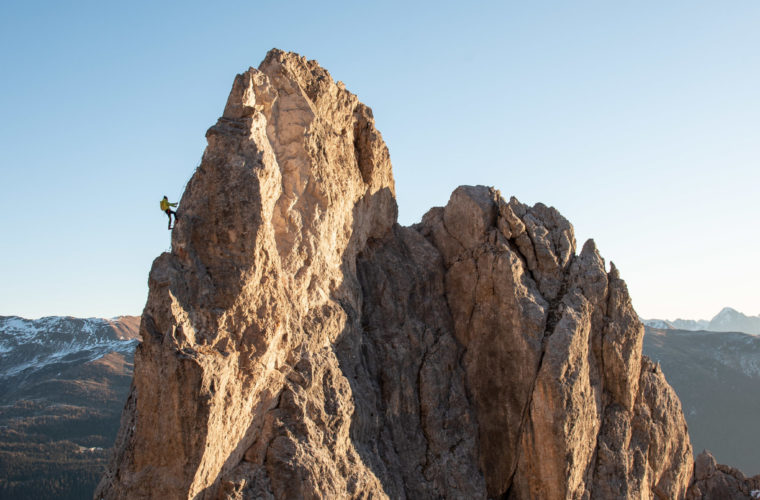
x=727 y=310
x=729 y=319
x=658 y=323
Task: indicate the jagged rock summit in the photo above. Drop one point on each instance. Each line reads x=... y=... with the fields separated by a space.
x=299 y=343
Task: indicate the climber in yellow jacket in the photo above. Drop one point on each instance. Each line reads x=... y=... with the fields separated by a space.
x=165 y=206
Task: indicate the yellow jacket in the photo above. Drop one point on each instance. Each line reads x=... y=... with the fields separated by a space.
x=165 y=205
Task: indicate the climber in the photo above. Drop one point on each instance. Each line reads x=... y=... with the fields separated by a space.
x=165 y=206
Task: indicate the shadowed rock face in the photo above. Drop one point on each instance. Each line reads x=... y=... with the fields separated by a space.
x=298 y=342
x=713 y=480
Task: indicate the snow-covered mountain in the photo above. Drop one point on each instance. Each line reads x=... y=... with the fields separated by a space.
x=731 y=320
x=63 y=383
x=727 y=320
x=692 y=325
x=28 y=346
x=658 y=323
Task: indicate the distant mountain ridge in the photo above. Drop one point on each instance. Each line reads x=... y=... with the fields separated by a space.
x=27 y=346
x=731 y=320
x=727 y=320
x=717 y=378
x=63 y=383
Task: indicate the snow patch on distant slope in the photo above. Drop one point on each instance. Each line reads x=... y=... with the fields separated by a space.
x=658 y=323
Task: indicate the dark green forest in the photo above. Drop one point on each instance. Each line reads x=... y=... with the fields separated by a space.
x=56 y=441
x=54 y=470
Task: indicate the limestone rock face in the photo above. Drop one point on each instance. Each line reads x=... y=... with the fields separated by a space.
x=715 y=481
x=299 y=343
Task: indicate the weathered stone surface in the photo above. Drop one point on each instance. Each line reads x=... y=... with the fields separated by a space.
x=713 y=481
x=298 y=343
x=238 y=381
x=553 y=358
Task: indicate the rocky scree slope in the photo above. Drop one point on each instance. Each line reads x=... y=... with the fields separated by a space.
x=299 y=343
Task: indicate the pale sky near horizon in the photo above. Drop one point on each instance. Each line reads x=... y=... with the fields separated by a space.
x=638 y=121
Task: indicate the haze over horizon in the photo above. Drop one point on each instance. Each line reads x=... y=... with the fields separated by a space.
x=639 y=123
x=138 y=313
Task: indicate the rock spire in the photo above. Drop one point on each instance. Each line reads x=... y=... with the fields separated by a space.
x=299 y=343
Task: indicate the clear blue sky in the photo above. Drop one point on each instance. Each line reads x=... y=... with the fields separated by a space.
x=639 y=121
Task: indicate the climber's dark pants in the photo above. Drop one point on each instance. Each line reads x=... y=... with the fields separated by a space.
x=169 y=213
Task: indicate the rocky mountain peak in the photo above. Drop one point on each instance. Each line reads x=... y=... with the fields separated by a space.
x=731 y=320
x=29 y=347
x=298 y=342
